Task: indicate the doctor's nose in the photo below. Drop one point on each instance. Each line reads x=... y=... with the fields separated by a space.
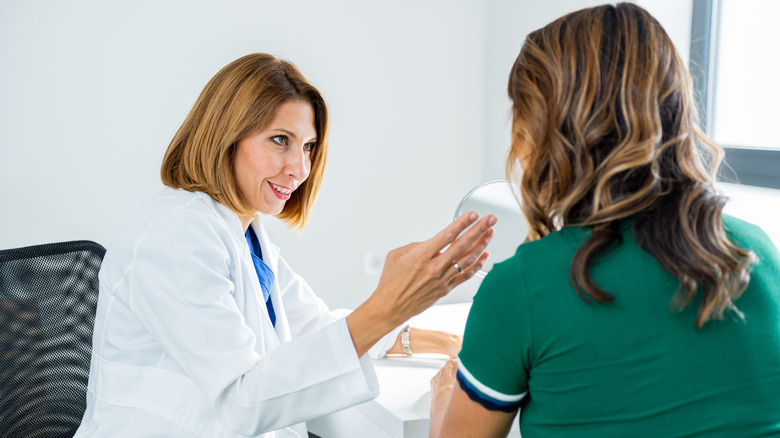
x=298 y=166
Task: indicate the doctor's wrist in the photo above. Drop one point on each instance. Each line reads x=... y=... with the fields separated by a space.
x=434 y=341
x=428 y=341
x=368 y=324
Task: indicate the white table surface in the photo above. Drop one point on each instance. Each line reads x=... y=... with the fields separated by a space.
x=402 y=409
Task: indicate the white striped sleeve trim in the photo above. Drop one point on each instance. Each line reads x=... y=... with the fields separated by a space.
x=490 y=392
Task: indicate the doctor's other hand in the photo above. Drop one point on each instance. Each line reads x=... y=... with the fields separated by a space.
x=429 y=341
x=415 y=276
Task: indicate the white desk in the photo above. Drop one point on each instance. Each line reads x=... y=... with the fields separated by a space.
x=402 y=409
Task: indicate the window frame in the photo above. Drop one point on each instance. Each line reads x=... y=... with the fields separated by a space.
x=743 y=165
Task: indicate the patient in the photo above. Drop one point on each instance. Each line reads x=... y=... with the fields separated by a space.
x=636 y=307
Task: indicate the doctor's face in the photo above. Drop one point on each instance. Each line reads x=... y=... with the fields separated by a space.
x=270 y=164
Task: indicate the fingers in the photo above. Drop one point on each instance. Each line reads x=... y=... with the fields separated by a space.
x=416 y=276
x=476 y=251
x=471 y=262
x=469 y=271
x=449 y=233
x=477 y=265
x=466 y=249
x=455 y=344
x=473 y=241
x=446 y=374
x=442 y=385
x=452 y=367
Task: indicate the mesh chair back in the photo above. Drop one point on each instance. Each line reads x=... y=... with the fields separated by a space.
x=48 y=296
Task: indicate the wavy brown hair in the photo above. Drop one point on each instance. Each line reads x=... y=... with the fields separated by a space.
x=605 y=128
x=240 y=100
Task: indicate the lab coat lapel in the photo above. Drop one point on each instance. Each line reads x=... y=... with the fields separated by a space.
x=270 y=251
x=271 y=258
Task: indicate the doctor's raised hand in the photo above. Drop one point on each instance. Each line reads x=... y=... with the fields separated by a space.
x=418 y=274
x=202 y=328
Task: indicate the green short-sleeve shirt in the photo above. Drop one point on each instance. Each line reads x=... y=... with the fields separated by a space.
x=630 y=367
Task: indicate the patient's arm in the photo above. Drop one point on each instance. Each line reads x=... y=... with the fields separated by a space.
x=454 y=414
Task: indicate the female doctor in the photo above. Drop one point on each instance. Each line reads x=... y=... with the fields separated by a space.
x=202 y=329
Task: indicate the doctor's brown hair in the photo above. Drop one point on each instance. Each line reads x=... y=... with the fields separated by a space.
x=605 y=128
x=239 y=101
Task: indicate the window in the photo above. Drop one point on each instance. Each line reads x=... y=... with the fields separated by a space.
x=734 y=69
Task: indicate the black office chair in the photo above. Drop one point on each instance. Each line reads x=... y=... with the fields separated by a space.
x=48 y=296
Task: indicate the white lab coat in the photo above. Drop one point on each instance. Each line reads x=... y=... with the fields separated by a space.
x=183 y=345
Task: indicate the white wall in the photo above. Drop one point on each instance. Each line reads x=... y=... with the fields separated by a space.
x=91 y=92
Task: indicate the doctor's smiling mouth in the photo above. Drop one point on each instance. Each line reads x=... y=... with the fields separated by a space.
x=281 y=192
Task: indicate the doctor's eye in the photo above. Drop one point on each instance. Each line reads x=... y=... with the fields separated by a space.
x=280 y=139
x=308 y=147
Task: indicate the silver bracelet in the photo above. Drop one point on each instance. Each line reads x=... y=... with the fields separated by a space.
x=405 y=341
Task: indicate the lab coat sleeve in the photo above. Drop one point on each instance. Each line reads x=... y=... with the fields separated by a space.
x=179 y=287
x=307 y=312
